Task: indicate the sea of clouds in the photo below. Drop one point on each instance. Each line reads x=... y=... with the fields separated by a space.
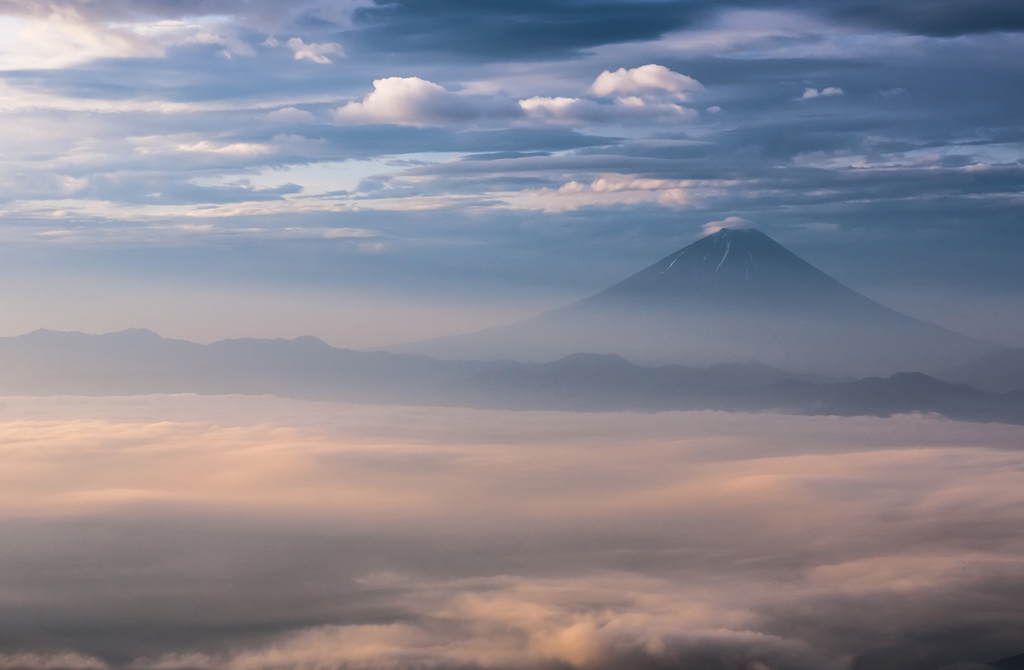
x=233 y=533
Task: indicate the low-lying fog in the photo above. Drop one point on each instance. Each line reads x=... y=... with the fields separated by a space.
x=239 y=533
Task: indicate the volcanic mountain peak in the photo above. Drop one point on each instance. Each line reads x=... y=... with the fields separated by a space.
x=735 y=268
x=749 y=248
x=735 y=295
x=745 y=254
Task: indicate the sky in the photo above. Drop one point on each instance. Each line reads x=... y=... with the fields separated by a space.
x=372 y=172
x=251 y=532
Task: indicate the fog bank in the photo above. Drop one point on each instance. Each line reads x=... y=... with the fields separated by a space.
x=232 y=533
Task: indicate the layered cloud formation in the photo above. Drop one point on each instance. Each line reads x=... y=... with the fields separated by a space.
x=849 y=130
x=242 y=533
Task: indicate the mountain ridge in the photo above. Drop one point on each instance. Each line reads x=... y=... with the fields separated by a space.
x=139 y=363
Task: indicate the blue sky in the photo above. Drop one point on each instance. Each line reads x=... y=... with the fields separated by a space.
x=375 y=172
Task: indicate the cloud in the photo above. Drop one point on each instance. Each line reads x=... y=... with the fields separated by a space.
x=610 y=189
x=561 y=28
x=265 y=15
x=825 y=92
x=630 y=110
x=291 y=115
x=783 y=33
x=318 y=53
x=64 y=37
x=69 y=159
x=60 y=661
x=62 y=41
x=615 y=190
x=731 y=222
x=417 y=102
x=161 y=144
x=608 y=621
x=233 y=533
x=503 y=32
x=330 y=233
x=643 y=95
x=61 y=33
x=645 y=79
x=16 y=99
x=925 y=18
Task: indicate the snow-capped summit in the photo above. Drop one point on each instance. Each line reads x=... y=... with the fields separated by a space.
x=735 y=295
x=734 y=268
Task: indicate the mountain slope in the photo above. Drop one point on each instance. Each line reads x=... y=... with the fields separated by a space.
x=740 y=269
x=736 y=295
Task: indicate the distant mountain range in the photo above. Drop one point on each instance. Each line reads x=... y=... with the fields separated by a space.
x=136 y=362
x=733 y=295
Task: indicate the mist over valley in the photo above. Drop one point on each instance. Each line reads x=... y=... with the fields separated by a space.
x=551 y=335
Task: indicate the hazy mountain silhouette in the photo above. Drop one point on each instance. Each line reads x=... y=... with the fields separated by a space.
x=998 y=371
x=137 y=362
x=734 y=295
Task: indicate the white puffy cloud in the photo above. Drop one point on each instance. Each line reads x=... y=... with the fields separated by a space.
x=825 y=92
x=412 y=101
x=630 y=110
x=418 y=102
x=643 y=95
x=645 y=79
x=318 y=53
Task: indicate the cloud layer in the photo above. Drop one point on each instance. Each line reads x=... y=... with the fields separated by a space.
x=300 y=535
x=850 y=131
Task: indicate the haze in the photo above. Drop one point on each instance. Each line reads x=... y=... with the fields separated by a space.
x=522 y=335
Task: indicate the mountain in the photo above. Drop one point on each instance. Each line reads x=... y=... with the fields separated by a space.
x=735 y=295
x=137 y=362
x=998 y=371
